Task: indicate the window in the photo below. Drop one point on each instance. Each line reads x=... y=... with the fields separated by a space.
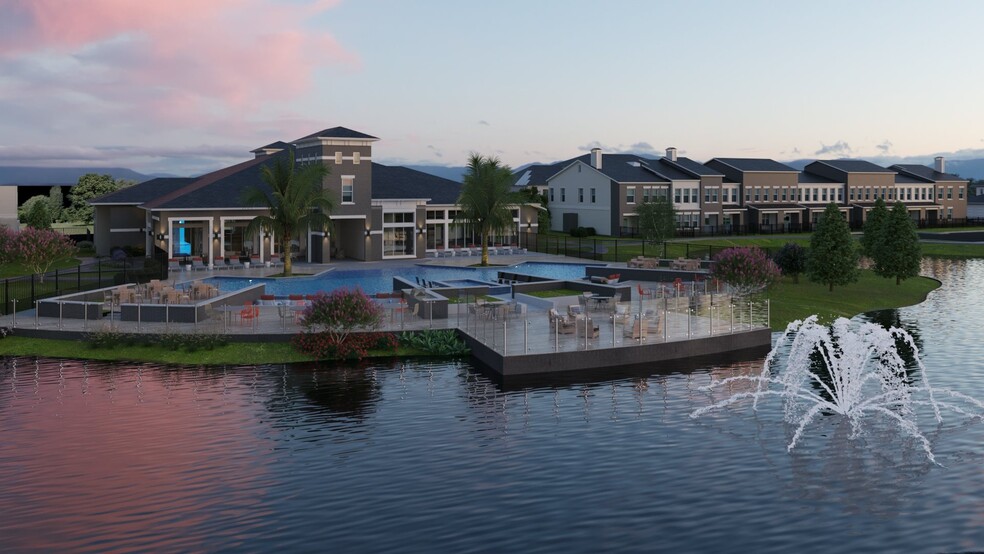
x=338 y=158
x=348 y=189
x=756 y=194
x=645 y=194
x=714 y=195
x=775 y=194
x=707 y=195
x=399 y=237
x=356 y=157
x=784 y=195
x=677 y=195
x=580 y=195
x=840 y=195
x=824 y=195
x=551 y=194
x=748 y=195
x=960 y=193
x=816 y=195
x=593 y=196
x=867 y=194
x=563 y=194
x=852 y=193
x=629 y=195
x=949 y=193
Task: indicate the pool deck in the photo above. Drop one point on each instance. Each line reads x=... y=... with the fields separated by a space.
x=520 y=341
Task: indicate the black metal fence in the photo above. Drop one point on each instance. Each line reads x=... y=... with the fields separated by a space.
x=791 y=228
x=21 y=293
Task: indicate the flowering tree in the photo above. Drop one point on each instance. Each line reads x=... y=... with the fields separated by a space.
x=37 y=249
x=342 y=312
x=6 y=244
x=746 y=270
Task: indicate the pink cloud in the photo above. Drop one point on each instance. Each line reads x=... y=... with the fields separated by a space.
x=175 y=60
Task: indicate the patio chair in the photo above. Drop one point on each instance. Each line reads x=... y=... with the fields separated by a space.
x=622 y=312
x=234 y=263
x=637 y=330
x=644 y=293
x=654 y=322
x=249 y=313
x=173 y=265
x=275 y=261
x=563 y=324
x=220 y=263
x=197 y=264
x=586 y=325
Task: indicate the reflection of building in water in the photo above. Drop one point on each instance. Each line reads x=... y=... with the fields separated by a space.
x=751 y=368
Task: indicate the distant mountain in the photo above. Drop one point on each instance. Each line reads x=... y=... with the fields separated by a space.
x=448 y=172
x=968 y=169
x=16 y=175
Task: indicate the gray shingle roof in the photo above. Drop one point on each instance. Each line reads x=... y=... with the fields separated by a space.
x=220 y=189
x=144 y=192
x=694 y=167
x=927 y=173
x=901 y=179
x=667 y=170
x=279 y=145
x=854 y=166
x=537 y=175
x=394 y=182
x=750 y=164
x=338 y=132
x=805 y=177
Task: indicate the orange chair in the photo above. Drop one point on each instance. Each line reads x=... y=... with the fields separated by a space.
x=249 y=312
x=644 y=293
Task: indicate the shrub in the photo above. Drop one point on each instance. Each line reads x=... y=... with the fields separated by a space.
x=746 y=270
x=5 y=331
x=324 y=346
x=7 y=245
x=342 y=312
x=583 y=232
x=440 y=342
x=85 y=245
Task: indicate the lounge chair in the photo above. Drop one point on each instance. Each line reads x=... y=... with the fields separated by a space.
x=219 y=263
x=197 y=264
x=174 y=265
x=622 y=312
x=234 y=263
x=275 y=261
x=586 y=325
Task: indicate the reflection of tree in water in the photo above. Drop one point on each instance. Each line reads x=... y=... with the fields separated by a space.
x=893 y=318
x=350 y=392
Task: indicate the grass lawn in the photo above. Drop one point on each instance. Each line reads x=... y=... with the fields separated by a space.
x=790 y=302
x=229 y=354
x=554 y=293
x=16 y=269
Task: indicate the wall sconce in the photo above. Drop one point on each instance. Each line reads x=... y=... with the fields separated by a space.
x=216 y=235
x=161 y=237
x=367 y=233
x=420 y=230
x=150 y=232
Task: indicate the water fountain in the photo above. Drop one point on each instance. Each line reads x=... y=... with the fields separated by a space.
x=851 y=371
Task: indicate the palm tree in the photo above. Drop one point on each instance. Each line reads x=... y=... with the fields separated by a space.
x=295 y=199
x=486 y=197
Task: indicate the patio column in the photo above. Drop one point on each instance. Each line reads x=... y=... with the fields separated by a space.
x=211 y=242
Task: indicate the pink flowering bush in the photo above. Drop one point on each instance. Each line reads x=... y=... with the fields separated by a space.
x=342 y=312
x=37 y=249
x=6 y=244
x=746 y=270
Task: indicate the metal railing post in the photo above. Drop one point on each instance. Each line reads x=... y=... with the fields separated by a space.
x=37 y=323
x=526 y=336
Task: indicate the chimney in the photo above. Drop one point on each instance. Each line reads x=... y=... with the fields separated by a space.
x=596 y=158
x=671 y=154
x=940 y=164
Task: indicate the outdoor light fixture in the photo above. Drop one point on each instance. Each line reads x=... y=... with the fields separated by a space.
x=160 y=237
x=367 y=233
x=420 y=230
x=216 y=235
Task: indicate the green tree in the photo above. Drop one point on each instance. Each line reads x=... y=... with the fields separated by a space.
x=747 y=270
x=90 y=186
x=834 y=256
x=657 y=220
x=791 y=259
x=874 y=230
x=900 y=253
x=486 y=198
x=38 y=217
x=28 y=205
x=295 y=199
x=55 y=203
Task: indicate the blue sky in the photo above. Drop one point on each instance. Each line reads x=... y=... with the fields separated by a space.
x=187 y=90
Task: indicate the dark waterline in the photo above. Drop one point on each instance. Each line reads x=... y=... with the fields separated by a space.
x=435 y=457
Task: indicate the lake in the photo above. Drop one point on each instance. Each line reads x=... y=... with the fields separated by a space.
x=417 y=456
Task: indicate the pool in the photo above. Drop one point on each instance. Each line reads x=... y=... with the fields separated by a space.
x=373 y=280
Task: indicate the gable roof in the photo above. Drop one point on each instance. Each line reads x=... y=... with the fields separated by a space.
x=666 y=169
x=338 y=132
x=396 y=182
x=143 y=192
x=279 y=145
x=925 y=173
x=853 y=166
x=694 y=167
x=536 y=175
x=751 y=164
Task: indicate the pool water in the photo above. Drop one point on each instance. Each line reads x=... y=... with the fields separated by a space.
x=373 y=280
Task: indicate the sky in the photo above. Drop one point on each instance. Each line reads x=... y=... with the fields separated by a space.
x=186 y=86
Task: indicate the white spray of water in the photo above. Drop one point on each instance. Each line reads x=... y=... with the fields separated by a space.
x=864 y=376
